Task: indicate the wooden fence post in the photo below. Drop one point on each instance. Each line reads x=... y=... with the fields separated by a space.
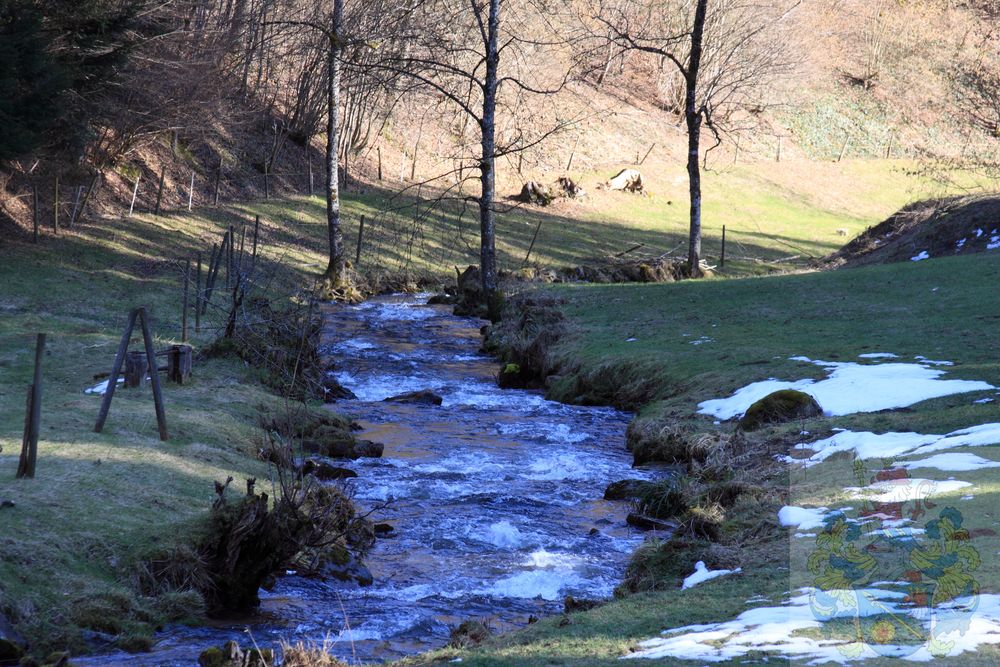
x=116 y=370
x=76 y=205
x=191 y=192
x=229 y=256
x=361 y=234
x=722 y=255
x=267 y=182
x=34 y=203
x=135 y=193
x=312 y=182
x=55 y=206
x=29 y=445
x=778 y=156
x=531 y=247
x=154 y=375
x=256 y=234
x=218 y=179
x=184 y=306
x=888 y=146
x=90 y=191
x=572 y=154
x=159 y=190
x=378 y=150
x=197 y=297
x=843 y=148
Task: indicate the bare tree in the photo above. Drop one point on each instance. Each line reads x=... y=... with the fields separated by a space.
x=726 y=52
x=483 y=76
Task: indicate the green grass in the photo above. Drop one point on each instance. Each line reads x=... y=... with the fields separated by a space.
x=939 y=309
x=98 y=498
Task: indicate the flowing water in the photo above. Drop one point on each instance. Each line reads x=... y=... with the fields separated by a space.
x=495 y=497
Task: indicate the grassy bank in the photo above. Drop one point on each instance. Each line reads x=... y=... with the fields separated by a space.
x=669 y=347
x=67 y=548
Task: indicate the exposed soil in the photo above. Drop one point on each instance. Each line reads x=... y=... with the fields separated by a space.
x=926 y=229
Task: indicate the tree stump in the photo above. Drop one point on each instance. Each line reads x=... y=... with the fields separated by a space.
x=136 y=367
x=180 y=359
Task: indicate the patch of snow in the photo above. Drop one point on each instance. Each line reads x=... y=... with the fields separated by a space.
x=878 y=355
x=101 y=388
x=702 y=573
x=850 y=388
x=701 y=341
x=994 y=243
x=931 y=362
x=802 y=517
x=868 y=445
x=631 y=340
x=983 y=401
x=978 y=233
x=960 y=244
x=905 y=490
x=952 y=462
x=958 y=627
x=922 y=255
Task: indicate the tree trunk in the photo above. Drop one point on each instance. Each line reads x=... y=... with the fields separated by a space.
x=336 y=270
x=693 y=118
x=487 y=167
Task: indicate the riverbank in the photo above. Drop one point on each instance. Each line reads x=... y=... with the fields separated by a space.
x=669 y=349
x=73 y=542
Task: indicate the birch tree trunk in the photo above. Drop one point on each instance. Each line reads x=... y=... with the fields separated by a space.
x=487 y=166
x=336 y=272
x=693 y=118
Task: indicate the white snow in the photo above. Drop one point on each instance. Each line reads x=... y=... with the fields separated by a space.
x=952 y=462
x=920 y=256
x=850 y=388
x=960 y=244
x=802 y=517
x=931 y=362
x=905 y=490
x=994 y=243
x=878 y=355
x=702 y=573
x=101 y=388
x=979 y=233
x=983 y=401
x=868 y=445
x=962 y=626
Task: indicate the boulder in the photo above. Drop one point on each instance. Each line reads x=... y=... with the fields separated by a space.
x=442 y=299
x=470 y=299
x=324 y=471
x=628 y=180
x=334 y=391
x=779 y=407
x=384 y=530
x=469 y=634
x=423 y=397
x=625 y=489
x=572 y=605
x=342 y=565
x=514 y=376
x=534 y=192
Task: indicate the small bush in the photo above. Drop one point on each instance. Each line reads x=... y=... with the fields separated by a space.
x=668 y=499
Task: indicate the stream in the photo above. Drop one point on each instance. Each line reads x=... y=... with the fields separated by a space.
x=495 y=497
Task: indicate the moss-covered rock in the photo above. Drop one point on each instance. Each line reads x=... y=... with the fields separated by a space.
x=469 y=634
x=625 y=489
x=779 y=407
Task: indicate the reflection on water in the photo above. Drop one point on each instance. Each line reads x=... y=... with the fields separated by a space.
x=494 y=495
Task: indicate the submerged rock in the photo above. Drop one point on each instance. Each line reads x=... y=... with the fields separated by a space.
x=649 y=523
x=342 y=565
x=779 y=407
x=384 y=530
x=423 y=397
x=625 y=489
